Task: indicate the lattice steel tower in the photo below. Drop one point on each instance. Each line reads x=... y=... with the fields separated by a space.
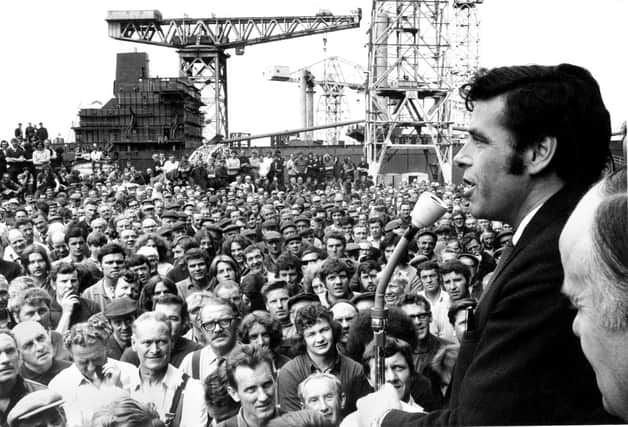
x=412 y=75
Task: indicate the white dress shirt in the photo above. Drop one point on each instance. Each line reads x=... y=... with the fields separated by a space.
x=194 y=413
x=82 y=398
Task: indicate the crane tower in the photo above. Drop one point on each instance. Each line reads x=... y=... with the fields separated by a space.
x=413 y=72
x=202 y=45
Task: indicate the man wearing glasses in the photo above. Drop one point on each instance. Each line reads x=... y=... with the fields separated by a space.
x=418 y=309
x=219 y=324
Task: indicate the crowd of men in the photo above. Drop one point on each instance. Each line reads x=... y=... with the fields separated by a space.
x=160 y=301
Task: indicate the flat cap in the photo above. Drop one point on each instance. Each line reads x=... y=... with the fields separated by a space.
x=120 y=307
x=302 y=218
x=177 y=226
x=269 y=223
x=232 y=228
x=287 y=224
x=303 y=297
x=391 y=225
x=272 y=235
x=250 y=234
x=32 y=404
x=169 y=213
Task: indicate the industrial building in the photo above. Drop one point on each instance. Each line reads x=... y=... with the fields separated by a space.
x=145 y=115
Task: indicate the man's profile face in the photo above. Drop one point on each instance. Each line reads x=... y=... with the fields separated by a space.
x=9 y=359
x=321 y=394
x=255 y=391
x=604 y=349
x=492 y=170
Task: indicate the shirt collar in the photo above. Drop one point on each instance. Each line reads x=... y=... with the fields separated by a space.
x=524 y=223
x=170 y=379
x=334 y=368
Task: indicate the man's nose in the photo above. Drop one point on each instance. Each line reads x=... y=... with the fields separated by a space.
x=462 y=158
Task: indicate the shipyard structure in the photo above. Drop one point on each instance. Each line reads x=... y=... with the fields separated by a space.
x=146 y=115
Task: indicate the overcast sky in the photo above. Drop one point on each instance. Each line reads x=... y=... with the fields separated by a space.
x=57 y=55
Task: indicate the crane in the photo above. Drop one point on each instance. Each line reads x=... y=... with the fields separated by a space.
x=202 y=45
x=416 y=62
x=335 y=74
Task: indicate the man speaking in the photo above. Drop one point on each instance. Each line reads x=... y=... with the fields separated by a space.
x=538 y=138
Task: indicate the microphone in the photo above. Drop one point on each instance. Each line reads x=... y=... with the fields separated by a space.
x=427 y=210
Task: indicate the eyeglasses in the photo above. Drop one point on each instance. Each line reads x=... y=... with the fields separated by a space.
x=210 y=325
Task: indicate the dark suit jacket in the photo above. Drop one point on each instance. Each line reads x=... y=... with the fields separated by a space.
x=521 y=363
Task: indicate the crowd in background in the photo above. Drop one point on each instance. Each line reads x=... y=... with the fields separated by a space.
x=265 y=250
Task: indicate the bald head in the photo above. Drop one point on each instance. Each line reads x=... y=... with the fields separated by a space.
x=34 y=344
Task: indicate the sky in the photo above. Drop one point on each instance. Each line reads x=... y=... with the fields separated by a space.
x=57 y=55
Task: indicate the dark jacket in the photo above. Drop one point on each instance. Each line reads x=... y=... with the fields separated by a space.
x=519 y=362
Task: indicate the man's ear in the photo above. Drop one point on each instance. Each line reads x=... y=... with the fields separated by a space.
x=133 y=343
x=233 y=393
x=539 y=156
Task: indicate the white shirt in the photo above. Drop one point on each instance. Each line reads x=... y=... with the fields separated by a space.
x=411 y=406
x=524 y=223
x=82 y=398
x=440 y=326
x=194 y=413
x=207 y=364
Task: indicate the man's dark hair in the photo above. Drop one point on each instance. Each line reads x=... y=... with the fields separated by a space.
x=428 y=265
x=287 y=261
x=62 y=268
x=307 y=317
x=392 y=346
x=74 y=232
x=169 y=299
x=333 y=265
x=272 y=326
x=109 y=249
x=135 y=260
x=337 y=236
x=249 y=356
x=420 y=300
x=273 y=286
x=455 y=266
x=196 y=253
x=361 y=333
x=562 y=101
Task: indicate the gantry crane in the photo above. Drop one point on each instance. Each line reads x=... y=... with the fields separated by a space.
x=333 y=75
x=416 y=63
x=202 y=44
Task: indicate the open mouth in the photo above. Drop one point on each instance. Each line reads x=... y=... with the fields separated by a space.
x=469 y=187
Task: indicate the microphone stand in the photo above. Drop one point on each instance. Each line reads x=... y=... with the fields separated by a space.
x=425 y=213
